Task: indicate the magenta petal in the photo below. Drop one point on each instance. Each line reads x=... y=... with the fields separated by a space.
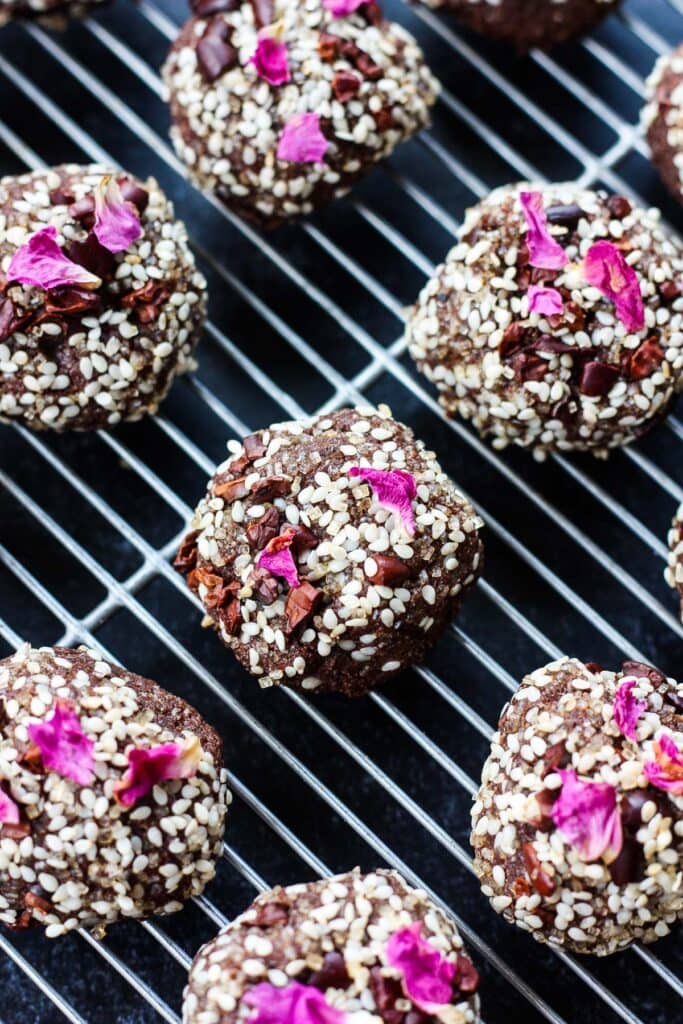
x=302 y=141
x=341 y=8
x=606 y=269
x=64 y=747
x=270 y=59
x=293 y=1004
x=117 y=222
x=392 y=488
x=666 y=771
x=627 y=710
x=587 y=815
x=545 y=301
x=427 y=975
x=42 y=264
x=147 y=767
x=544 y=251
x=9 y=811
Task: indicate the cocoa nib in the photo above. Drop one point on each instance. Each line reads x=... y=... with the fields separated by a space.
x=332 y=974
x=222 y=596
x=268 y=914
x=646 y=358
x=262 y=530
x=215 y=52
x=386 y=992
x=134 y=193
x=264 y=12
x=345 y=85
x=204 y=8
x=93 y=256
x=254 y=448
x=619 y=207
x=372 y=12
x=303 y=539
x=390 y=571
x=566 y=216
x=641 y=670
x=546 y=343
x=513 y=340
x=69 y=302
x=264 y=585
x=147 y=300
x=629 y=866
x=328 y=46
x=231 y=617
x=271 y=487
x=11 y=319
x=18 y=831
x=33 y=759
x=35 y=902
x=231 y=490
x=529 y=366
x=300 y=605
x=467 y=975
x=61 y=196
x=598 y=379
x=540 y=879
x=555 y=757
x=186 y=559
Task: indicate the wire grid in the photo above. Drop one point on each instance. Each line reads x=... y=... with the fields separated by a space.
x=309 y=320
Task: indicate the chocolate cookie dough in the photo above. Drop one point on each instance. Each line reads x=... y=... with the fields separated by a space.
x=674 y=570
x=663 y=119
x=50 y=12
x=529 y=23
x=578 y=825
x=355 y=947
x=100 y=302
x=280 y=106
x=331 y=553
x=112 y=794
x=556 y=321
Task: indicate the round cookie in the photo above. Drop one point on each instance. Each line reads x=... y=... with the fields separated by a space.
x=92 y=334
x=112 y=794
x=555 y=322
x=360 y=948
x=280 y=106
x=663 y=119
x=331 y=553
x=529 y=23
x=674 y=570
x=577 y=828
x=49 y=12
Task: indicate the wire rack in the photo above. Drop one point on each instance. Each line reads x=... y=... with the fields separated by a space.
x=309 y=320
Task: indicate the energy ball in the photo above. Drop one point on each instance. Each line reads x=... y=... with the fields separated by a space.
x=674 y=570
x=556 y=322
x=280 y=106
x=331 y=553
x=529 y=23
x=368 y=946
x=50 y=12
x=112 y=794
x=577 y=828
x=663 y=119
x=100 y=301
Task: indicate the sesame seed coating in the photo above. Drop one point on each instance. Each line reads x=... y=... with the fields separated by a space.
x=362 y=75
x=373 y=598
x=78 y=857
x=562 y=716
x=332 y=935
x=577 y=380
x=674 y=569
x=663 y=119
x=79 y=360
x=528 y=23
x=49 y=12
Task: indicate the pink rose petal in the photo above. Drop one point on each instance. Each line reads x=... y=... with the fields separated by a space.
x=9 y=811
x=117 y=222
x=341 y=8
x=302 y=141
x=276 y=558
x=427 y=975
x=270 y=59
x=64 y=747
x=666 y=771
x=42 y=264
x=394 y=489
x=146 y=767
x=606 y=269
x=587 y=815
x=627 y=710
x=545 y=301
x=293 y=1004
x=544 y=251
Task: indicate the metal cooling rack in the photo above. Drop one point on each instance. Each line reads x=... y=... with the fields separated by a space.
x=308 y=320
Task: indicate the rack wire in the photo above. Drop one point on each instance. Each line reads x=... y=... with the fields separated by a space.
x=309 y=320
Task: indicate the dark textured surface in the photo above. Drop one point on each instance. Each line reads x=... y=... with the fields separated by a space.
x=542 y=108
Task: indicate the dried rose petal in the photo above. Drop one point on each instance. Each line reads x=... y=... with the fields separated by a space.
x=293 y=1004
x=276 y=558
x=146 y=767
x=666 y=771
x=627 y=710
x=270 y=59
x=342 y=8
x=606 y=269
x=117 y=221
x=394 y=489
x=302 y=141
x=544 y=251
x=9 y=811
x=545 y=301
x=64 y=747
x=42 y=264
x=587 y=815
x=427 y=975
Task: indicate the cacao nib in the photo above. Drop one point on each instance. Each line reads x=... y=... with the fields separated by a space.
x=61 y=196
x=268 y=914
x=629 y=866
x=232 y=490
x=70 y=301
x=632 y=804
x=271 y=487
x=134 y=193
x=203 y=8
x=619 y=207
x=598 y=379
x=670 y=290
x=555 y=757
x=372 y=12
x=546 y=343
x=566 y=216
x=300 y=605
x=262 y=530
x=529 y=366
x=264 y=585
x=83 y=210
x=18 y=831
x=264 y=12
x=345 y=85
x=646 y=358
x=186 y=559
x=93 y=256
x=641 y=670
x=231 y=617
x=254 y=447
x=328 y=46
x=34 y=901
x=386 y=992
x=467 y=975
x=540 y=879
x=391 y=571
x=513 y=340
x=332 y=974
x=215 y=53
x=367 y=68
x=303 y=539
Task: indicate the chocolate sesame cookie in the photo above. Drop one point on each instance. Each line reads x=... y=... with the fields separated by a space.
x=663 y=119
x=331 y=553
x=50 y=12
x=100 y=301
x=280 y=106
x=578 y=824
x=674 y=569
x=112 y=793
x=356 y=948
x=556 y=321
x=529 y=23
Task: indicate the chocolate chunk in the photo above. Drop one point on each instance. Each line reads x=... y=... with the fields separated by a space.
x=619 y=207
x=632 y=804
x=467 y=975
x=93 y=256
x=332 y=974
x=232 y=490
x=254 y=447
x=269 y=914
x=567 y=216
x=646 y=358
x=215 y=53
x=300 y=605
x=231 y=617
x=264 y=585
x=529 y=366
x=262 y=530
x=540 y=879
x=186 y=559
x=629 y=866
x=303 y=539
x=134 y=193
x=345 y=85
x=391 y=571
x=264 y=12
x=271 y=487
x=598 y=379
x=146 y=301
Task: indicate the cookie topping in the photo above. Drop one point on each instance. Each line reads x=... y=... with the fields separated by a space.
x=9 y=811
x=302 y=141
x=293 y=1004
x=587 y=815
x=394 y=489
x=666 y=771
x=545 y=301
x=342 y=8
x=40 y=263
x=628 y=709
x=147 y=767
x=544 y=251
x=277 y=558
x=117 y=220
x=606 y=269
x=270 y=58
x=63 y=746
x=427 y=974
